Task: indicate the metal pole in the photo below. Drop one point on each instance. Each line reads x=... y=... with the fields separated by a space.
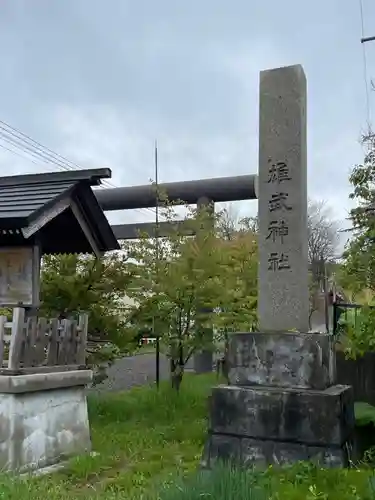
x=156 y=334
x=326 y=310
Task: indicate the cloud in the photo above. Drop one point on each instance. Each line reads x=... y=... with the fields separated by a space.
x=100 y=84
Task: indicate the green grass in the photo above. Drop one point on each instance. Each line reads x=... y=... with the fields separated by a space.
x=142 y=437
x=364 y=414
x=302 y=481
x=150 y=441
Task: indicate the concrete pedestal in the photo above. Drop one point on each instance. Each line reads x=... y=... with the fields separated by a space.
x=43 y=419
x=281 y=405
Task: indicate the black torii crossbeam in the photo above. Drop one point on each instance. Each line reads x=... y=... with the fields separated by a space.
x=221 y=189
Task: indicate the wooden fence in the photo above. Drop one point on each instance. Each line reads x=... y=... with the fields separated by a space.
x=36 y=345
x=359 y=373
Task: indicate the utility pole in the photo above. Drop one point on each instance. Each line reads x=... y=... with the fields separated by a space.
x=156 y=334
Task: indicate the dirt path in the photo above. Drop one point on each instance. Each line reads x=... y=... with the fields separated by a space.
x=134 y=371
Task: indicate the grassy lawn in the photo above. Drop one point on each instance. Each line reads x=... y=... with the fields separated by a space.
x=147 y=438
x=142 y=436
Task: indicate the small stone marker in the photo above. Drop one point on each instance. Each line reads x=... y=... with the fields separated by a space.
x=283 y=301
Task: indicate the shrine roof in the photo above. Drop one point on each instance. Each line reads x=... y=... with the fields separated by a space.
x=59 y=210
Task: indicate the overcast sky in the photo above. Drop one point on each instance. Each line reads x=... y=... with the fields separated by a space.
x=98 y=81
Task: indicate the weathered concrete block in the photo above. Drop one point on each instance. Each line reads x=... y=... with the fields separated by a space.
x=248 y=453
x=262 y=453
x=305 y=361
x=39 y=428
x=303 y=416
x=221 y=448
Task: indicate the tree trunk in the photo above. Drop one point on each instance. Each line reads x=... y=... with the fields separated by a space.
x=176 y=380
x=177 y=369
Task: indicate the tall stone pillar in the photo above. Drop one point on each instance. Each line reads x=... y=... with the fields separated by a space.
x=283 y=301
x=281 y=403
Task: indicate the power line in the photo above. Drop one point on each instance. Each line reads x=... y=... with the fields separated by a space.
x=34 y=149
x=18 y=154
x=13 y=131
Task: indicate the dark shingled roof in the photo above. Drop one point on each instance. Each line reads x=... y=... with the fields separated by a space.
x=20 y=201
x=59 y=210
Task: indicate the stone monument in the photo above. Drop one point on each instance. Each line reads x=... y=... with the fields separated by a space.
x=281 y=404
x=282 y=194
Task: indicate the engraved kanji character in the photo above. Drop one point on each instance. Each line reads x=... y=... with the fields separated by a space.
x=284 y=261
x=273 y=261
x=278 y=262
x=277 y=229
x=278 y=172
x=278 y=202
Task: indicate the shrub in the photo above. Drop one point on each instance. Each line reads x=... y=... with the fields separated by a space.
x=357 y=332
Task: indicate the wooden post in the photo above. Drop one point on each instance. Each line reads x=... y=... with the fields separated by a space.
x=41 y=340
x=30 y=341
x=81 y=348
x=63 y=340
x=70 y=344
x=3 y=320
x=53 y=348
x=17 y=337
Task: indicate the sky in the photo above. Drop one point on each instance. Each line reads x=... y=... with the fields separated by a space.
x=98 y=81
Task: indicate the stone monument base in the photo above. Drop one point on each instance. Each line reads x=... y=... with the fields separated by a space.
x=249 y=453
x=257 y=426
x=284 y=406
x=43 y=419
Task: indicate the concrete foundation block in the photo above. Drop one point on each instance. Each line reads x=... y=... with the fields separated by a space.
x=311 y=417
x=41 y=427
x=248 y=453
x=305 y=361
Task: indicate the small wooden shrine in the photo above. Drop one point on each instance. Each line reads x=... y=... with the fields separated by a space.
x=47 y=214
x=43 y=374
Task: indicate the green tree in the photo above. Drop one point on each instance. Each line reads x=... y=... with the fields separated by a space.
x=71 y=284
x=239 y=277
x=358 y=270
x=184 y=286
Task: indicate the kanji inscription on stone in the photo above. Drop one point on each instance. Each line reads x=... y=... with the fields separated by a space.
x=277 y=230
x=278 y=172
x=278 y=261
x=283 y=300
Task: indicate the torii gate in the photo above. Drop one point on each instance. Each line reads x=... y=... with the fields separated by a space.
x=200 y=192
x=221 y=189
